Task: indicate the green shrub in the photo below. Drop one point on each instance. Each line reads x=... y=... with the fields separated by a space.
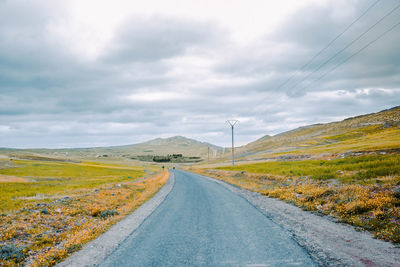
x=108 y=213
x=11 y=252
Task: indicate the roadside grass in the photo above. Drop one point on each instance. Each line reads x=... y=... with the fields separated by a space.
x=68 y=205
x=362 y=191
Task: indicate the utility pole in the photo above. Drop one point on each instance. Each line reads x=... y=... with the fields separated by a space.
x=232 y=124
x=208 y=153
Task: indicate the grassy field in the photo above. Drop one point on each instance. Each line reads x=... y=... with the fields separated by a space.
x=360 y=170
x=49 y=209
x=51 y=178
x=363 y=191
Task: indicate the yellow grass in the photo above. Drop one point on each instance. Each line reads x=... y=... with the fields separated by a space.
x=109 y=166
x=52 y=178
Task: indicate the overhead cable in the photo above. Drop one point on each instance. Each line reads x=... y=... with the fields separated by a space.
x=330 y=43
x=348 y=45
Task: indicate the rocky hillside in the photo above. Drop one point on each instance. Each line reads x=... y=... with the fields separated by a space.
x=375 y=131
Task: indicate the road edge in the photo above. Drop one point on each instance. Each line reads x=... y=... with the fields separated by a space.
x=349 y=248
x=97 y=250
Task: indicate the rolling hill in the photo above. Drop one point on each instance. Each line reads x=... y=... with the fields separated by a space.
x=371 y=132
x=156 y=147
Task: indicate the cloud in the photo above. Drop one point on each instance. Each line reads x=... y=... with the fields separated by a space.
x=157 y=38
x=161 y=74
x=278 y=57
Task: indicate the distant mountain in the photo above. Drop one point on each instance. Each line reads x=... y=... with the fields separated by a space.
x=171 y=145
x=157 y=147
x=175 y=142
x=370 y=132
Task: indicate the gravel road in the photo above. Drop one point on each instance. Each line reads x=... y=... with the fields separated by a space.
x=201 y=223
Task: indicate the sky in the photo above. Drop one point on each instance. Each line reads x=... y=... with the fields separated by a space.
x=102 y=73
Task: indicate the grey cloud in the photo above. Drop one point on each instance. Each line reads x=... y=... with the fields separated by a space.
x=307 y=31
x=24 y=42
x=156 y=38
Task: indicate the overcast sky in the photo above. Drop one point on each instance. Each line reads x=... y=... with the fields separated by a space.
x=98 y=73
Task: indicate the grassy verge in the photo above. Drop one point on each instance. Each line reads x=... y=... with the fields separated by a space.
x=61 y=206
x=362 y=191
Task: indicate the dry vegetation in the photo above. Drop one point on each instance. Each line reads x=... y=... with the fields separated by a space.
x=64 y=205
x=363 y=191
x=371 y=132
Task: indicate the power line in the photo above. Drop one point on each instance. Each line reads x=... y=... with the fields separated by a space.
x=354 y=54
x=330 y=43
x=348 y=45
